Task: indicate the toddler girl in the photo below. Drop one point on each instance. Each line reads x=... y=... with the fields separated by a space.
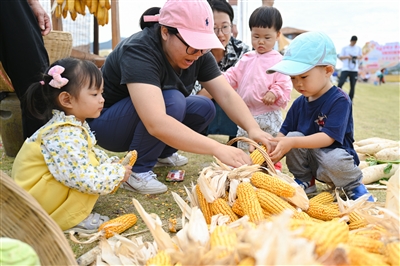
x=59 y=164
x=265 y=95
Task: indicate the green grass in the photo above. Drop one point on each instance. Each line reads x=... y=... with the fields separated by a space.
x=376 y=114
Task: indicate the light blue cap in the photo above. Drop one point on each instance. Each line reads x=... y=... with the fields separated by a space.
x=306 y=51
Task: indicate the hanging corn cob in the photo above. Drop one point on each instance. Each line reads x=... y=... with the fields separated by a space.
x=99 y=8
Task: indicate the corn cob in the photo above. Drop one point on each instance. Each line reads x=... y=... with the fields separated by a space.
x=356 y=221
x=224 y=238
x=129 y=159
x=370 y=233
x=160 y=259
x=322 y=198
x=248 y=261
x=272 y=203
x=205 y=207
x=370 y=245
x=361 y=257
x=327 y=235
x=301 y=215
x=393 y=252
x=237 y=208
x=272 y=184
x=325 y=212
x=118 y=225
x=257 y=157
x=220 y=206
x=249 y=202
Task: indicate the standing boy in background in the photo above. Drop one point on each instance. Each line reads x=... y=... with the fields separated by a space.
x=317 y=134
x=350 y=56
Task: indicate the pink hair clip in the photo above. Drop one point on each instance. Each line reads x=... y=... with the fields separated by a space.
x=41 y=82
x=57 y=81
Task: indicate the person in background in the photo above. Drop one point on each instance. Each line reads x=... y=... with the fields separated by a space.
x=380 y=76
x=148 y=79
x=265 y=95
x=22 y=51
x=317 y=134
x=234 y=50
x=350 y=56
x=59 y=164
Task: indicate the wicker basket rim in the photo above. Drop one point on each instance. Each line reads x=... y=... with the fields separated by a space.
x=259 y=148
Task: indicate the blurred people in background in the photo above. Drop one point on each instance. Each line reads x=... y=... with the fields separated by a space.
x=350 y=56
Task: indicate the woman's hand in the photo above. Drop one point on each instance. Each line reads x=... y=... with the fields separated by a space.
x=42 y=17
x=232 y=156
x=128 y=172
x=261 y=137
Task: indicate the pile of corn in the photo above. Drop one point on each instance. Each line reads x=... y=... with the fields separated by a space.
x=245 y=216
x=99 y=8
x=279 y=240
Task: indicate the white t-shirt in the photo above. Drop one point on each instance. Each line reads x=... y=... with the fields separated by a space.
x=348 y=64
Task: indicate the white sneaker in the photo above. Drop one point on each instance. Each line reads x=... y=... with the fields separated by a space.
x=144 y=183
x=173 y=160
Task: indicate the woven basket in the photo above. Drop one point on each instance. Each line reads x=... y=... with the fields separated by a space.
x=24 y=219
x=58 y=45
x=268 y=161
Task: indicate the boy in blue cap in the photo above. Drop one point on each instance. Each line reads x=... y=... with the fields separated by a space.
x=317 y=134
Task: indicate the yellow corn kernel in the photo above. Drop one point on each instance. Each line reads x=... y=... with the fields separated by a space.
x=220 y=206
x=325 y=212
x=356 y=221
x=370 y=233
x=301 y=215
x=393 y=252
x=118 y=225
x=369 y=244
x=205 y=207
x=257 y=157
x=361 y=257
x=272 y=184
x=223 y=238
x=327 y=235
x=249 y=202
x=272 y=203
x=248 y=261
x=237 y=208
x=322 y=198
x=160 y=259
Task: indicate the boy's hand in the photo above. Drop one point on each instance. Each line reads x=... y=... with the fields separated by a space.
x=282 y=146
x=128 y=172
x=269 y=98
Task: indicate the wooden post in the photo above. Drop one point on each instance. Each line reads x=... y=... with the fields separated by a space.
x=116 y=35
x=56 y=22
x=95 y=36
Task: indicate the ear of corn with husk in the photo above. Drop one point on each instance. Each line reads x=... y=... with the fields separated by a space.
x=118 y=225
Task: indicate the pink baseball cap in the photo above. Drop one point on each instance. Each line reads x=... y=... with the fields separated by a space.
x=194 y=21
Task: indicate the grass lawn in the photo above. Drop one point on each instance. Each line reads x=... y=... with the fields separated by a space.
x=376 y=114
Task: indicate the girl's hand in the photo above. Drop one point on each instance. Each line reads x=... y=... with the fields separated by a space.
x=232 y=156
x=128 y=172
x=269 y=98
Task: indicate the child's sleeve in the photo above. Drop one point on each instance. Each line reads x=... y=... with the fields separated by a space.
x=282 y=87
x=66 y=153
x=234 y=74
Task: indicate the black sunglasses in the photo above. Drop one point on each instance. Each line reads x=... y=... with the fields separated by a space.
x=189 y=50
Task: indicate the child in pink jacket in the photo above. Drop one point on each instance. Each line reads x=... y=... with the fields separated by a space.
x=264 y=94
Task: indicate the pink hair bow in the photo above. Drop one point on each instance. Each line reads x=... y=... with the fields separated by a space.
x=57 y=81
